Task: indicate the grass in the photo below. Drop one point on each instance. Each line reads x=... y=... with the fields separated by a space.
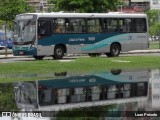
x=39 y=70
x=80 y=64
x=154 y=45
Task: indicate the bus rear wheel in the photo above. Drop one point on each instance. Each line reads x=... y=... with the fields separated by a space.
x=38 y=57
x=58 y=52
x=94 y=54
x=114 y=50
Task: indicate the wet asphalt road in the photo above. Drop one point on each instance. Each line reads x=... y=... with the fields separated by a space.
x=71 y=57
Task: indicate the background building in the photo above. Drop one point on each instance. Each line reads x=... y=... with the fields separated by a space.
x=133 y=6
x=128 y=5
x=145 y=4
x=155 y=4
x=41 y=5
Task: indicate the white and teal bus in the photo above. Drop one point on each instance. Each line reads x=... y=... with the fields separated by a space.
x=57 y=34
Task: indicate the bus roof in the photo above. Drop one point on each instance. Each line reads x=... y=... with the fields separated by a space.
x=88 y=15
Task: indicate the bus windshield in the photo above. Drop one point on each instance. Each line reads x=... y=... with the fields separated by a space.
x=24 y=31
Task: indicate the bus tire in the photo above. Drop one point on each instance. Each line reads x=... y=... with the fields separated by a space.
x=58 y=52
x=116 y=71
x=60 y=74
x=114 y=50
x=108 y=54
x=94 y=54
x=38 y=57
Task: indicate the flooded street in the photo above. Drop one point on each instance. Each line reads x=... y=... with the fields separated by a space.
x=101 y=95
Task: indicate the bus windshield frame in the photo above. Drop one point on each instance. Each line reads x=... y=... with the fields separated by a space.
x=24 y=31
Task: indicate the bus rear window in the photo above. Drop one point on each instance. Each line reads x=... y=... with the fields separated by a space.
x=139 y=25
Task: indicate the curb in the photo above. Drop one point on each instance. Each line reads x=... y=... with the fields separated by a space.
x=142 y=51
x=9 y=56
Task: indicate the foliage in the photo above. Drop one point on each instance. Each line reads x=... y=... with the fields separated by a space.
x=7 y=100
x=154 y=26
x=152 y=17
x=86 y=5
x=90 y=113
x=154 y=29
x=154 y=45
x=10 y=8
x=51 y=1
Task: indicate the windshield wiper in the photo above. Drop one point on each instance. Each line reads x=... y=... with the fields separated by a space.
x=28 y=22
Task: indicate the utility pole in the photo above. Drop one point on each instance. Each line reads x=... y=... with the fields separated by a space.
x=159 y=21
x=121 y=5
x=6 y=39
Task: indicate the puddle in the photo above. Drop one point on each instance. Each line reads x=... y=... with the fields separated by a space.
x=66 y=60
x=121 y=61
x=111 y=93
x=55 y=74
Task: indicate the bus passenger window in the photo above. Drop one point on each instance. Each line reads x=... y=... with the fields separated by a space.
x=120 y=25
x=41 y=28
x=57 y=29
x=59 y=26
x=112 y=25
x=44 y=28
x=126 y=25
x=105 y=28
x=140 y=25
x=94 y=26
x=77 y=25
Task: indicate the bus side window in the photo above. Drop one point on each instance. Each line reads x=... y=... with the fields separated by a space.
x=58 y=26
x=44 y=28
x=94 y=25
x=76 y=25
x=126 y=25
x=57 y=29
x=121 y=25
x=41 y=29
x=105 y=28
x=84 y=28
x=112 y=25
x=140 y=25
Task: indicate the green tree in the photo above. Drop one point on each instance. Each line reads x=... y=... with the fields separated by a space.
x=51 y=1
x=7 y=99
x=9 y=9
x=154 y=30
x=154 y=26
x=51 y=6
x=89 y=6
x=152 y=17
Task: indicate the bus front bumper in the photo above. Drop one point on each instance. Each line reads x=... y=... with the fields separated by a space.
x=24 y=51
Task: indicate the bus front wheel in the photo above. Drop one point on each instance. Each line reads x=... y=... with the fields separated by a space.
x=58 y=52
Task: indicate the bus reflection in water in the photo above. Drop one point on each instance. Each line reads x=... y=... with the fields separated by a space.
x=106 y=87
x=48 y=96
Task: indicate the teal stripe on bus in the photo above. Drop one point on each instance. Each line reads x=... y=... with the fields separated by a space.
x=105 y=43
x=74 y=39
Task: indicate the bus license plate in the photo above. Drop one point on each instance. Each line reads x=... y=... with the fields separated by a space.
x=21 y=53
